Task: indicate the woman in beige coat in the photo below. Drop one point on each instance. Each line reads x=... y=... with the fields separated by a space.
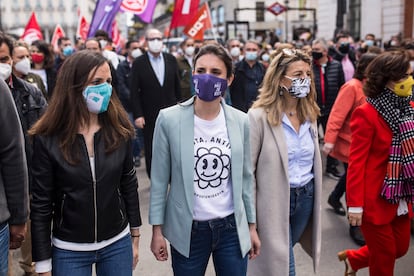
x=287 y=165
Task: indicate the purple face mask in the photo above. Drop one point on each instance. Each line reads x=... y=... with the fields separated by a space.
x=209 y=87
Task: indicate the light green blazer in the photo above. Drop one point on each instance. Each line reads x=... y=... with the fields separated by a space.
x=173 y=163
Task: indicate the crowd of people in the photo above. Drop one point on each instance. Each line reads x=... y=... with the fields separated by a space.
x=229 y=133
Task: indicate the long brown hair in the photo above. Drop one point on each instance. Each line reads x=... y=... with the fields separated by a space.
x=67 y=110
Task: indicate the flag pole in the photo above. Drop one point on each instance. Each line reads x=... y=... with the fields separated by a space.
x=214 y=28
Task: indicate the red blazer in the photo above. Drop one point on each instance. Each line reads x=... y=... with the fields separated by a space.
x=368 y=160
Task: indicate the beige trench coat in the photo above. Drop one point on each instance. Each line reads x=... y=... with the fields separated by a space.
x=271 y=185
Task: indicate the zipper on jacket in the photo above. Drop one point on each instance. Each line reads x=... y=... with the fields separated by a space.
x=120 y=204
x=61 y=211
x=95 y=208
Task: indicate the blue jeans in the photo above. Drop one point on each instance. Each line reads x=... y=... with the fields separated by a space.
x=301 y=207
x=218 y=237
x=4 y=249
x=115 y=259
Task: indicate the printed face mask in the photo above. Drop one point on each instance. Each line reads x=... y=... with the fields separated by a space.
x=22 y=66
x=404 y=88
x=209 y=87
x=97 y=97
x=300 y=88
x=38 y=58
x=5 y=70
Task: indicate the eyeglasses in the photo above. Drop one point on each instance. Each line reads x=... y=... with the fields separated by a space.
x=154 y=38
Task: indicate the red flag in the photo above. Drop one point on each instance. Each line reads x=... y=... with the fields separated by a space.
x=184 y=11
x=32 y=31
x=83 y=28
x=199 y=23
x=116 y=36
x=58 y=33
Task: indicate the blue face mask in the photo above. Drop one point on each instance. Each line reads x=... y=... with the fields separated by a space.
x=67 y=51
x=97 y=97
x=209 y=87
x=251 y=55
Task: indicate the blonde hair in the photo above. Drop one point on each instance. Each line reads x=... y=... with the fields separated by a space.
x=271 y=94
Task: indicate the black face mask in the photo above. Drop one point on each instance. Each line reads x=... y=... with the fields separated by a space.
x=317 y=55
x=344 y=48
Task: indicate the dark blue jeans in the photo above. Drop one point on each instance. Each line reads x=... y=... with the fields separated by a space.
x=138 y=141
x=301 y=207
x=218 y=237
x=4 y=248
x=115 y=259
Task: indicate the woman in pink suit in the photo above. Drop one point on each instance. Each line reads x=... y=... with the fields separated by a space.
x=381 y=166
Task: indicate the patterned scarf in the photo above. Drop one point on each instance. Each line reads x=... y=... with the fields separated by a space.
x=399 y=115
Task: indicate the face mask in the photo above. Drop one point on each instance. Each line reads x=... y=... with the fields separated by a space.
x=235 y=52
x=404 y=88
x=412 y=64
x=189 y=51
x=344 y=48
x=251 y=55
x=265 y=57
x=97 y=97
x=67 y=51
x=23 y=66
x=136 y=53
x=317 y=55
x=103 y=43
x=155 y=46
x=369 y=43
x=300 y=88
x=393 y=43
x=209 y=87
x=38 y=58
x=5 y=71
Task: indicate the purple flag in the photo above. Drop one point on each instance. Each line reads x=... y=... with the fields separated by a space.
x=143 y=8
x=103 y=16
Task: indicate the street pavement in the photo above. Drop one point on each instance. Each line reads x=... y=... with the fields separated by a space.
x=335 y=238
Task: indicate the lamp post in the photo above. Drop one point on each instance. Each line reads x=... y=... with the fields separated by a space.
x=286 y=20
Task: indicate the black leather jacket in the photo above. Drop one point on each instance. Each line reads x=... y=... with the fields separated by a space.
x=82 y=210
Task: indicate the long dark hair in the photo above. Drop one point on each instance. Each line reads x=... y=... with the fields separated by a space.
x=67 y=110
x=362 y=65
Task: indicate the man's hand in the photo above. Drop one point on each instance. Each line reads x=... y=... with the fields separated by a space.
x=327 y=148
x=140 y=122
x=17 y=234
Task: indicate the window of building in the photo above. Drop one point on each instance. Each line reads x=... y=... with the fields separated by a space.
x=214 y=16
x=260 y=10
x=220 y=12
x=354 y=18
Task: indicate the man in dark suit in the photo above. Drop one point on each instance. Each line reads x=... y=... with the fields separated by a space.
x=154 y=84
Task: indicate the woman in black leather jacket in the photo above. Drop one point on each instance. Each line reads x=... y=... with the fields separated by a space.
x=84 y=180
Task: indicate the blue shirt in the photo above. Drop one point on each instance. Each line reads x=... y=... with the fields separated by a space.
x=157 y=64
x=301 y=152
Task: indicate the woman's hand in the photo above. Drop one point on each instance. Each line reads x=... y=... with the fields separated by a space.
x=355 y=219
x=158 y=244
x=135 y=251
x=256 y=244
x=327 y=148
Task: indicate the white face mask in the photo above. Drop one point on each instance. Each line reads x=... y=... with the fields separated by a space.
x=412 y=64
x=155 y=46
x=5 y=71
x=22 y=66
x=235 y=52
x=103 y=43
x=136 y=53
x=189 y=51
